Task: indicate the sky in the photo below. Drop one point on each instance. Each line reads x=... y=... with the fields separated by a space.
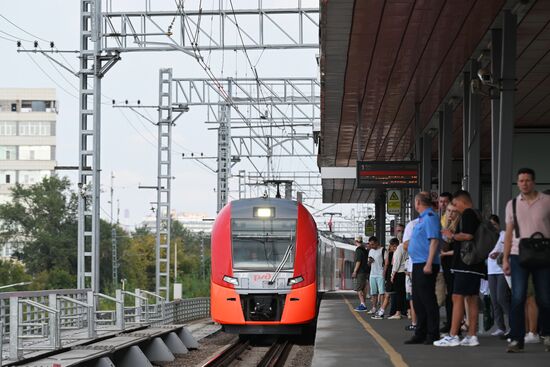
x=128 y=146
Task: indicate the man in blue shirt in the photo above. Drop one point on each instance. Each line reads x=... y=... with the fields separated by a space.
x=424 y=254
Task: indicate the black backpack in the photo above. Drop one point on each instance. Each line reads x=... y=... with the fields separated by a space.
x=477 y=250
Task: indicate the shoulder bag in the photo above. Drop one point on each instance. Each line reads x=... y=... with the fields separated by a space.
x=534 y=251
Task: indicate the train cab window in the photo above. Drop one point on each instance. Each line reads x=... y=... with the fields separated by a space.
x=263 y=244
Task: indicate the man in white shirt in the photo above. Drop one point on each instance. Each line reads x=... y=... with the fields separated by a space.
x=398 y=280
x=376 y=280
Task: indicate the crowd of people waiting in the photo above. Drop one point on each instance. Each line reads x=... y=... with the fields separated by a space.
x=424 y=268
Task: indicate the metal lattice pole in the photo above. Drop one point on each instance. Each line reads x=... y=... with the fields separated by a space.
x=163 y=183
x=114 y=257
x=89 y=144
x=224 y=151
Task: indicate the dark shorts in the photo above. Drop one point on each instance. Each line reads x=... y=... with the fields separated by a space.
x=389 y=286
x=360 y=282
x=466 y=284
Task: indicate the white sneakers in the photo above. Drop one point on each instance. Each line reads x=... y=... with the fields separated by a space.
x=454 y=341
x=498 y=332
x=470 y=341
x=395 y=317
x=448 y=341
x=531 y=338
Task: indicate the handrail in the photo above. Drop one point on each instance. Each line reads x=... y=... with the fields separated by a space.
x=101 y=295
x=90 y=308
x=135 y=295
x=119 y=311
x=7 y=295
x=39 y=305
x=54 y=323
x=42 y=316
x=162 y=305
x=138 y=299
x=154 y=295
x=75 y=301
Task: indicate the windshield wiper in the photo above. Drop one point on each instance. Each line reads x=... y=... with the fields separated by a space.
x=283 y=262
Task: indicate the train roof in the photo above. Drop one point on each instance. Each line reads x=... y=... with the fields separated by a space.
x=338 y=242
x=284 y=209
x=345 y=246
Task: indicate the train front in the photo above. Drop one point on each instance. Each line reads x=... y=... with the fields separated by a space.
x=264 y=267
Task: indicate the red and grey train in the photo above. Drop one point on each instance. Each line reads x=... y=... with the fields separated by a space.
x=269 y=266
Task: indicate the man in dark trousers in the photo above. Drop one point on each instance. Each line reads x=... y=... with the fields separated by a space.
x=424 y=254
x=360 y=272
x=532 y=215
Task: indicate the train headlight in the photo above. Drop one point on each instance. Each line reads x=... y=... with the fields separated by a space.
x=264 y=212
x=230 y=280
x=295 y=280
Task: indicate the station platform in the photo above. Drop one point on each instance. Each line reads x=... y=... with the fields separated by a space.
x=178 y=338
x=349 y=338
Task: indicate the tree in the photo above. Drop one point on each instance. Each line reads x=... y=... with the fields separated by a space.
x=12 y=272
x=41 y=220
x=137 y=261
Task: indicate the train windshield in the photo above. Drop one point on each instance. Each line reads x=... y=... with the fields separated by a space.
x=262 y=244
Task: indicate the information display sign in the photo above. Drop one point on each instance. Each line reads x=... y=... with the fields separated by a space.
x=391 y=175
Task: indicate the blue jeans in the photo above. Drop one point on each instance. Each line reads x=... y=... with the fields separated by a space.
x=541 y=280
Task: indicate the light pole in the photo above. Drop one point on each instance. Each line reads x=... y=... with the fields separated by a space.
x=14 y=285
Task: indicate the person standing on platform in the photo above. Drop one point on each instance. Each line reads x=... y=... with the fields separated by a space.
x=452 y=218
x=467 y=278
x=360 y=272
x=444 y=200
x=526 y=214
x=424 y=253
x=398 y=281
x=407 y=234
x=388 y=285
x=376 y=279
x=498 y=288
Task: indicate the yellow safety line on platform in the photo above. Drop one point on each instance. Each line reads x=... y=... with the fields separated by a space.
x=395 y=357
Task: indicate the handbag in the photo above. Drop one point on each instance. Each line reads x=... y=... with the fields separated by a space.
x=534 y=251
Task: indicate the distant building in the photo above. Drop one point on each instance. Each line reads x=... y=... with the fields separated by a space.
x=195 y=222
x=27 y=139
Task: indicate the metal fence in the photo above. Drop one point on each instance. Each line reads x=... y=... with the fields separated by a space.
x=48 y=320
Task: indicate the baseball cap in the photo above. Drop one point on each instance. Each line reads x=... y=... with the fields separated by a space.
x=359 y=238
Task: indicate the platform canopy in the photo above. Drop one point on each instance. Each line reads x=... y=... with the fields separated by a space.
x=383 y=60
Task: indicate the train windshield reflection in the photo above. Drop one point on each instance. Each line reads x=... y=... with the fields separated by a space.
x=260 y=245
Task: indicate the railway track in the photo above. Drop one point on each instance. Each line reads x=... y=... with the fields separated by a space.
x=236 y=355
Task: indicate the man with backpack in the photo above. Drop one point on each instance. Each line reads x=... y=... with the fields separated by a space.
x=467 y=277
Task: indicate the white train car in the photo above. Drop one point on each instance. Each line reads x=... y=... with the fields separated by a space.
x=336 y=258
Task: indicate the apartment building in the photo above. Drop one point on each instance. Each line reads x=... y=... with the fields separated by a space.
x=27 y=138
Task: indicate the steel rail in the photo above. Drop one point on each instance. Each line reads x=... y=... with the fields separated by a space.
x=277 y=355
x=228 y=355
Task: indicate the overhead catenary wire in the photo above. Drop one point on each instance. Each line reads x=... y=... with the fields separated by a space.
x=104 y=103
x=49 y=77
x=8 y=39
x=23 y=30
